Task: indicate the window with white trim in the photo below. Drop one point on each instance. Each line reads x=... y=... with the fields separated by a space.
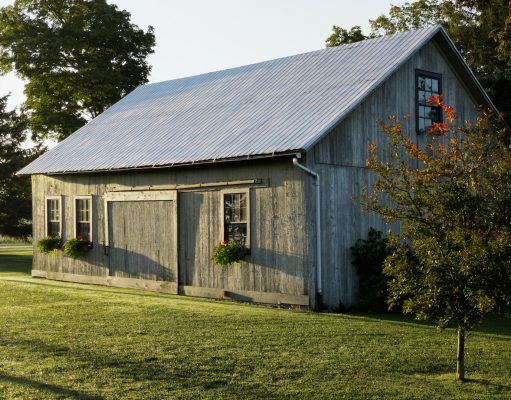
x=54 y=216
x=83 y=217
x=236 y=216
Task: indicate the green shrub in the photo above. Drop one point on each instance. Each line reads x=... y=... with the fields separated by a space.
x=228 y=252
x=76 y=248
x=48 y=244
x=368 y=257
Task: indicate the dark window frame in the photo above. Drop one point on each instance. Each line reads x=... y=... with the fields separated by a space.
x=423 y=103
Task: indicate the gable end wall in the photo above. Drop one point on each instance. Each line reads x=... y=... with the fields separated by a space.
x=340 y=157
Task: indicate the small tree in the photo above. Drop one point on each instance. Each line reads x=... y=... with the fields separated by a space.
x=453 y=202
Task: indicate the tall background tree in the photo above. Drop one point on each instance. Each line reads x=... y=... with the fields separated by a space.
x=15 y=203
x=480 y=29
x=77 y=56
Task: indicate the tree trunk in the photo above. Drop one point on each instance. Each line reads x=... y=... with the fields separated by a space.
x=460 y=365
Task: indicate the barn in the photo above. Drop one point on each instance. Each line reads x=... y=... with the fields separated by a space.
x=269 y=154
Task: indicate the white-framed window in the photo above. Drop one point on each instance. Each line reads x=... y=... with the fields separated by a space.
x=236 y=215
x=53 y=216
x=83 y=217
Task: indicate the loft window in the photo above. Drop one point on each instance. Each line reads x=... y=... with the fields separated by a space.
x=83 y=217
x=236 y=216
x=54 y=216
x=427 y=84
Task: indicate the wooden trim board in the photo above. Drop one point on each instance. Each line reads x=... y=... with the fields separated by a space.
x=244 y=295
x=172 y=288
x=129 y=283
x=142 y=195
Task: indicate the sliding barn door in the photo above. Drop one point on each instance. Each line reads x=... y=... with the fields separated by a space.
x=142 y=230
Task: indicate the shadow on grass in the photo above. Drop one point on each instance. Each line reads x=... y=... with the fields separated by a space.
x=493 y=325
x=485 y=382
x=89 y=287
x=147 y=369
x=47 y=387
x=17 y=264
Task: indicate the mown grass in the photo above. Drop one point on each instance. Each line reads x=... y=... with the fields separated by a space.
x=14 y=240
x=69 y=341
x=15 y=260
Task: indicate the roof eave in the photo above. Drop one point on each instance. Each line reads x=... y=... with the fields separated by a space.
x=287 y=153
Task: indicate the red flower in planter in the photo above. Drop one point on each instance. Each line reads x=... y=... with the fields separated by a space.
x=79 y=236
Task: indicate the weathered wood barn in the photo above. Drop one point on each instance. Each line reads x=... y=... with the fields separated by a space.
x=270 y=153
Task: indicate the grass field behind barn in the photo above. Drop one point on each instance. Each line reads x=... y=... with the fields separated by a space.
x=70 y=341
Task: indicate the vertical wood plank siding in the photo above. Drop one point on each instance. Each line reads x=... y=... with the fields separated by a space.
x=340 y=158
x=278 y=260
x=142 y=243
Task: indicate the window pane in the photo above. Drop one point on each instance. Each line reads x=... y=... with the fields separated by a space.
x=53 y=228
x=237 y=232
x=53 y=217
x=236 y=211
x=235 y=217
x=432 y=113
x=421 y=83
x=243 y=208
x=83 y=230
x=434 y=86
x=428 y=83
x=83 y=213
x=228 y=207
x=235 y=207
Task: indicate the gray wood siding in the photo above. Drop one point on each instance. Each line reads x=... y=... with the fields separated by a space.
x=278 y=259
x=141 y=233
x=340 y=158
x=277 y=250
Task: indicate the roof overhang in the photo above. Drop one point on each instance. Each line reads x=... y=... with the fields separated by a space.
x=256 y=157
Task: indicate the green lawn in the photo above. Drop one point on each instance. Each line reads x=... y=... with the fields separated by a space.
x=70 y=341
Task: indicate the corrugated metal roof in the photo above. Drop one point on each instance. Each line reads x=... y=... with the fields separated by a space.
x=272 y=107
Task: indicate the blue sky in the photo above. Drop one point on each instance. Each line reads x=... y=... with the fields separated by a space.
x=197 y=36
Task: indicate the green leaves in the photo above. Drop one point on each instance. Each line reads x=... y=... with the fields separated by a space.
x=453 y=202
x=48 y=245
x=76 y=248
x=79 y=57
x=481 y=31
x=341 y=36
x=228 y=252
x=15 y=200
